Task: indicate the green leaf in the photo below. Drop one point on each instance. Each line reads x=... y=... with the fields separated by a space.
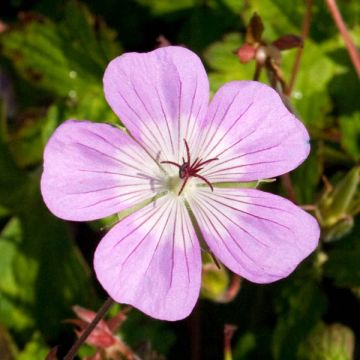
x=343 y=259
x=336 y=204
x=350 y=134
x=58 y=57
x=12 y=180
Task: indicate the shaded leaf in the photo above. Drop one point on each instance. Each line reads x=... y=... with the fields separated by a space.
x=343 y=259
x=299 y=308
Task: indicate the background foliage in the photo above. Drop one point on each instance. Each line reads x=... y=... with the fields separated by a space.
x=53 y=54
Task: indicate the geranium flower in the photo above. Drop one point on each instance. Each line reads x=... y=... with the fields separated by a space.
x=177 y=151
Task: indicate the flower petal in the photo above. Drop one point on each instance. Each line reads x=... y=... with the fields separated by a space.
x=260 y=236
x=151 y=260
x=252 y=133
x=160 y=96
x=95 y=170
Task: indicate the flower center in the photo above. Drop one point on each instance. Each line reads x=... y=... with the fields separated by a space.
x=188 y=170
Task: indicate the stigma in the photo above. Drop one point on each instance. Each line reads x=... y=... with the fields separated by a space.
x=190 y=169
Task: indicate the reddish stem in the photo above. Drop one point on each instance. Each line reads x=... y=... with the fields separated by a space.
x=100 y=314
x=351 y=48
x=228 y=334
x=304 y=34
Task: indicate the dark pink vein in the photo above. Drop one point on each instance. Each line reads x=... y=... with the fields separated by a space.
x=229 y=129
x=217 y=164
x=247 y=213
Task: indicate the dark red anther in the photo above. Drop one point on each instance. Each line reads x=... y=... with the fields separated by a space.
x=187 y=170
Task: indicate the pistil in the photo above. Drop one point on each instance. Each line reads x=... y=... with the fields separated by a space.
x=188 y=169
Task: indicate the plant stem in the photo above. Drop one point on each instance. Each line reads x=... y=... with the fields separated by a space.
x=195 y=333
x=304 y=34
x=100 y=314
x=351 y=48
x=257 y=72
x=228 y=334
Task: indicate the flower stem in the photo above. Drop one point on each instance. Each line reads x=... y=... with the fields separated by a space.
x=304 y=34
x=354 y=54
x=100 y=314
x=228 y=334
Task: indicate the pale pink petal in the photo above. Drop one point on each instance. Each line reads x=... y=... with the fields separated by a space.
x=251 y=132
x=95 y=170
x=161 y=97
x=151 y=260
x=260 y=236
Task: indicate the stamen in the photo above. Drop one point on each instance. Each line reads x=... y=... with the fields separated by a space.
x=171 y=163
x=207 y=181
x=187 y=170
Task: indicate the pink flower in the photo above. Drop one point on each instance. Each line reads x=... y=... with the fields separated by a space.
x=179 y=151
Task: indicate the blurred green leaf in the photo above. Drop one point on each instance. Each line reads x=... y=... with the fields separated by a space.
x=279 y=17
x=36 y=247
x=225 y=65
x=26 y=143
x=17 y=294
x=329 y=342
x=35 y=349
x=206 y=22
x=244 y=346
x=215 y=281
x=12 y=180
x=308 y=173
x=299 y=308
x=316 y=72
x=46 y=240
x=140 y=329
x=343 y=261
x=350 y=134
x=160 y=7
